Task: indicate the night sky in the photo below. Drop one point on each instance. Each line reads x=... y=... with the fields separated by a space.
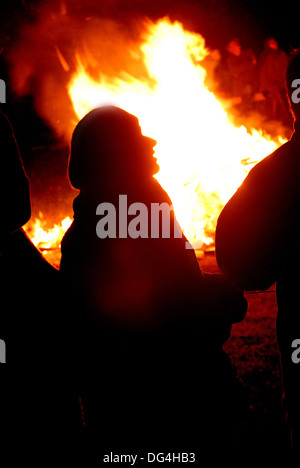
x=217 y=20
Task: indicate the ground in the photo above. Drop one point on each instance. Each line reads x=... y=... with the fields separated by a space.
x=253 y=349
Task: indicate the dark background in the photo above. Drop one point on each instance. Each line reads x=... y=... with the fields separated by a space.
x=217 y=20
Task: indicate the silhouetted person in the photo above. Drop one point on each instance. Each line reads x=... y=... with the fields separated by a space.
x=35 y=400
x=257 y=242
x=153 y=370
x=211 y=64
x=242 y=67
x=272 y=67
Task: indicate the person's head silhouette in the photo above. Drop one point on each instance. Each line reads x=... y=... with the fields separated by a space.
x=109 y=152
x=234 y=47
x=271 y=44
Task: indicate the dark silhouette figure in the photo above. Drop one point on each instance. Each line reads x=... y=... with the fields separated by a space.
x=153 y=372
x=36 y=398
x=272 y=67
x=242 y=68
x=257 y=242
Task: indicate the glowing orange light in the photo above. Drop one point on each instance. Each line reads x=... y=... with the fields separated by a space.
x=203 y=156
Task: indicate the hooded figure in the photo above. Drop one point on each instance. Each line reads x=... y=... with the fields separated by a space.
x=148 y=314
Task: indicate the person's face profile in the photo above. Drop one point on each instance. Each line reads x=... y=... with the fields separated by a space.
x=119 y=151
x=148 y=145
x=143 y=148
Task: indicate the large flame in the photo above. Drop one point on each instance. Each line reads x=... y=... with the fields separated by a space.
x=203 y=156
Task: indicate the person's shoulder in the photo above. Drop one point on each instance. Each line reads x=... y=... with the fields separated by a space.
x=282 y=53
x=276 y=171
x=281 y=158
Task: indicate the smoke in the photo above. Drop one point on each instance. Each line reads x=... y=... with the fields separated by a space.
x=104 y=35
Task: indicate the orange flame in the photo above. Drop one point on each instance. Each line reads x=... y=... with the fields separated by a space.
x=203 y=156
x=48 y=240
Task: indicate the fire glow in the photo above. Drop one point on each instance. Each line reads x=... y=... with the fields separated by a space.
x=47 y=239
x=203 y=157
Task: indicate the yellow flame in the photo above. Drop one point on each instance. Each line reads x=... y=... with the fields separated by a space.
x=203 y=157
x=47 y=239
